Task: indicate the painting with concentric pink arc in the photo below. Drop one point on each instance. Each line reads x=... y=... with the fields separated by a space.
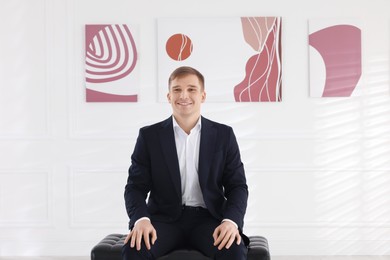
x=335 y=58
x=111 y=70
x=240 y=57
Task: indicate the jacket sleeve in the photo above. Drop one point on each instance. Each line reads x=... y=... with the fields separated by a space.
x=234 y=182
x=138 y=182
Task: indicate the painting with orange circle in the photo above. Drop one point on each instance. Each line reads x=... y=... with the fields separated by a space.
x=240 y=57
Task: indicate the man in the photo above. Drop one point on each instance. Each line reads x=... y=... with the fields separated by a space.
x=192 y=170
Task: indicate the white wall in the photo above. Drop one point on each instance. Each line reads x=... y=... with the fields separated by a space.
x=318 y=169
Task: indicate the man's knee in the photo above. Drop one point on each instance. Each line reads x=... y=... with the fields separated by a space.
x=131 y=253
x=237 y=252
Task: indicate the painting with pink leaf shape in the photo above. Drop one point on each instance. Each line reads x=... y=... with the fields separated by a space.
x=335 y=58
x=263 y=70
x=240 y=57
x=111 y=70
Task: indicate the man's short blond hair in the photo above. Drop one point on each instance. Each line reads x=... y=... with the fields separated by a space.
x=184 y=71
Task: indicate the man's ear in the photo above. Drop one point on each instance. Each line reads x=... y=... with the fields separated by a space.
x=203 y=96
x=169 y=97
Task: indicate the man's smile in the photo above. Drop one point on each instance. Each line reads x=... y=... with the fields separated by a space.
x=184 y=103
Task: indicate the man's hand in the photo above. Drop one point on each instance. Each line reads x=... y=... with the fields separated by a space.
x=225 y=234
x=143 y=230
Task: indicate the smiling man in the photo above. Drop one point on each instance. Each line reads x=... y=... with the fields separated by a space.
x=191 y=168
x=186 y=94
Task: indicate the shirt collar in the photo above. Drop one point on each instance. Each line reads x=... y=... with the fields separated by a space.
x=197 y=126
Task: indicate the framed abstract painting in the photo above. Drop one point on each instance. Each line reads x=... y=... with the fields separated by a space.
x=111 y=69
x=335 y=57
x=240 y=57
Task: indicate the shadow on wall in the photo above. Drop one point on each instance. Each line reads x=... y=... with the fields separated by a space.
x=353 y=158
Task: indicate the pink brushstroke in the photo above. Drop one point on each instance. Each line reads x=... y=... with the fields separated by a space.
x=256 y=30
x=340 y=48
x=263 y=71
x=96 y=96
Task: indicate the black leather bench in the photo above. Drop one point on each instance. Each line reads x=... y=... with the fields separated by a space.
x=110 y=248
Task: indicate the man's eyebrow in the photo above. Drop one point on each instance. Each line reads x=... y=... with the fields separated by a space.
x=189 y=86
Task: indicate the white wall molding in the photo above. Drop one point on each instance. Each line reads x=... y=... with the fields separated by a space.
x=45 y=129
x=26 y=198
x=96 y=197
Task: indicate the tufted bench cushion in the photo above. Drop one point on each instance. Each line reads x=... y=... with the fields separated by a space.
x=110 y=248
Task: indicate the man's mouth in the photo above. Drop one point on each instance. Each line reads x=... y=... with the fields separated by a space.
x=184 y=103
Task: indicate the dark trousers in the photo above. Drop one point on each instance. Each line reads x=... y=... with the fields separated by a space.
x=195 y=230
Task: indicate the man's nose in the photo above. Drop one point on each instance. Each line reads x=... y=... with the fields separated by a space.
x=183 y=94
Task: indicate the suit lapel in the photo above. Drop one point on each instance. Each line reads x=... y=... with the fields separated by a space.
x=168 y=146
x=206 y=150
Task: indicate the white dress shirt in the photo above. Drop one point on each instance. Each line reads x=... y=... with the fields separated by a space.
x=187 y=147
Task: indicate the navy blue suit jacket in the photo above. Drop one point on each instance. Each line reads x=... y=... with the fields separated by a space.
x=155 y=169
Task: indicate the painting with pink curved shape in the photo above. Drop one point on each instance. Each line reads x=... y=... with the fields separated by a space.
x=335 y=59
x=262 y=81
x=111 y=71
x=240 y=57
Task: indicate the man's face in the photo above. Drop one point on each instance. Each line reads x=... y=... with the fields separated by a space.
x=186 y=96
